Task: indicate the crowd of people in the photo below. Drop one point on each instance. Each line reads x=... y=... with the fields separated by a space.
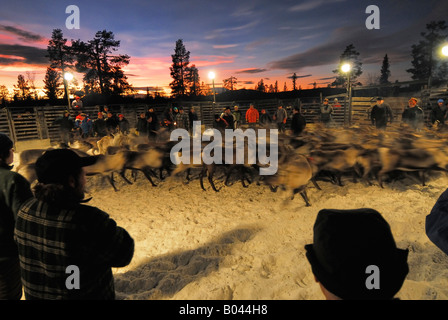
x=149 y=122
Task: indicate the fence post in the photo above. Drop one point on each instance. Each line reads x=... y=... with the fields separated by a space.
x=12 y=129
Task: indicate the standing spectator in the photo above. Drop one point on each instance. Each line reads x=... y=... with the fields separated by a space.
x=84 y=125
x=77 y=105
x=280 y=117
x=123 y=124
x=381 y=112
x=192 y=116
x=298 y=122
x=347 y=244
x=237 y=114
x=14 y=191
x=66 y=125
x=438 y=113
x=326 y=113
x=152 y=123
x=142 y=125
x=67 y=233
x=99 y=126
x=252 y=116
x=111 y=123
x=228 y=118
x=336 y=103
x=168 y=119
x=265 y=118
x=219 y=123
x=182 y=121
x=413 y=115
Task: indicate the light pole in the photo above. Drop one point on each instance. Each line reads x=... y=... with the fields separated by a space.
x=346 y=68
x=68 y=77
x=445 y=52
x=211 y=75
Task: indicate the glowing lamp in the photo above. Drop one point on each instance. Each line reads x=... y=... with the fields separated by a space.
x=68 y=76
x=346 y=67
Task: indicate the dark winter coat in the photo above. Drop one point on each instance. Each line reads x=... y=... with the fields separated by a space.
x=414 y=117
x=380 y=114
x=14 y=191
x=66 y=124
x=298 y=123
x=142 y=126
x=438 y=113
x=153 y=125
x=99 y=127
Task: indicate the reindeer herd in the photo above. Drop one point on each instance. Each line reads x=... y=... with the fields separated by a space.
x=318 y=154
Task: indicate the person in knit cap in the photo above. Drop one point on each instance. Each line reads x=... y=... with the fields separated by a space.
x=354 y=256
x=14 y=191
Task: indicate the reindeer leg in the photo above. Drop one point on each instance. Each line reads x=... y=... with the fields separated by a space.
x=229 y=173
x=305 y=197
x=148 y=176
x=122 y=174
x=201 y=178
x=313 y=180
x=422 y=177
x=210 y=177
x=112 y=181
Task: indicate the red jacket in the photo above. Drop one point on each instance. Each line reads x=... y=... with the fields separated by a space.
x=252 y=115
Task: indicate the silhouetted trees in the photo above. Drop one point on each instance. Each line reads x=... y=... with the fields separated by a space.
x=426 y=63
x=52 y=83
x=385 y=71
x=178 y=70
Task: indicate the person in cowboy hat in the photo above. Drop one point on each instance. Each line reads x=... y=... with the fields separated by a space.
x=354 y=256
x=67 y=232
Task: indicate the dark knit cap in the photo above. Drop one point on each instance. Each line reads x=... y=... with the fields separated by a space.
x=346 y=242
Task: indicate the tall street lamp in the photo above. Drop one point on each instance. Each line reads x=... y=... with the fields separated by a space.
x=346 y=68
x=211 y=75
x=445 y=51
x=68 y=77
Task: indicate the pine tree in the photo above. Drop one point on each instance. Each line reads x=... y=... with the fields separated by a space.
x=22 y=88
x=181 y=59
x=52 y=82
x=192 y=80
x=385 y=71
x=425 y=62
x=102 y=70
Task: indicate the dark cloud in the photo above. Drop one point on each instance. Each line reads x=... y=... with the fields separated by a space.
x=253 y=70
x=23 y=34
x=246 y=82
x=328 y=78
x=372 y=46
x=298 y=77
x=31 y=55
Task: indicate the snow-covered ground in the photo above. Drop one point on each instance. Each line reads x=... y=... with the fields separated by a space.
x=248 y=243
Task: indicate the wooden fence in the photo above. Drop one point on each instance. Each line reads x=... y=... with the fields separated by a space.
x=37 y=122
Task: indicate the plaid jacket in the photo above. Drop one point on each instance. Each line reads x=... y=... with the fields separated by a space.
x=50 y=239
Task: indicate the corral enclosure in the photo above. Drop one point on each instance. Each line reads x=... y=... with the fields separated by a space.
x=35 y=123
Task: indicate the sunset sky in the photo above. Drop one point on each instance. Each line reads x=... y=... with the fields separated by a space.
x=250 y=40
